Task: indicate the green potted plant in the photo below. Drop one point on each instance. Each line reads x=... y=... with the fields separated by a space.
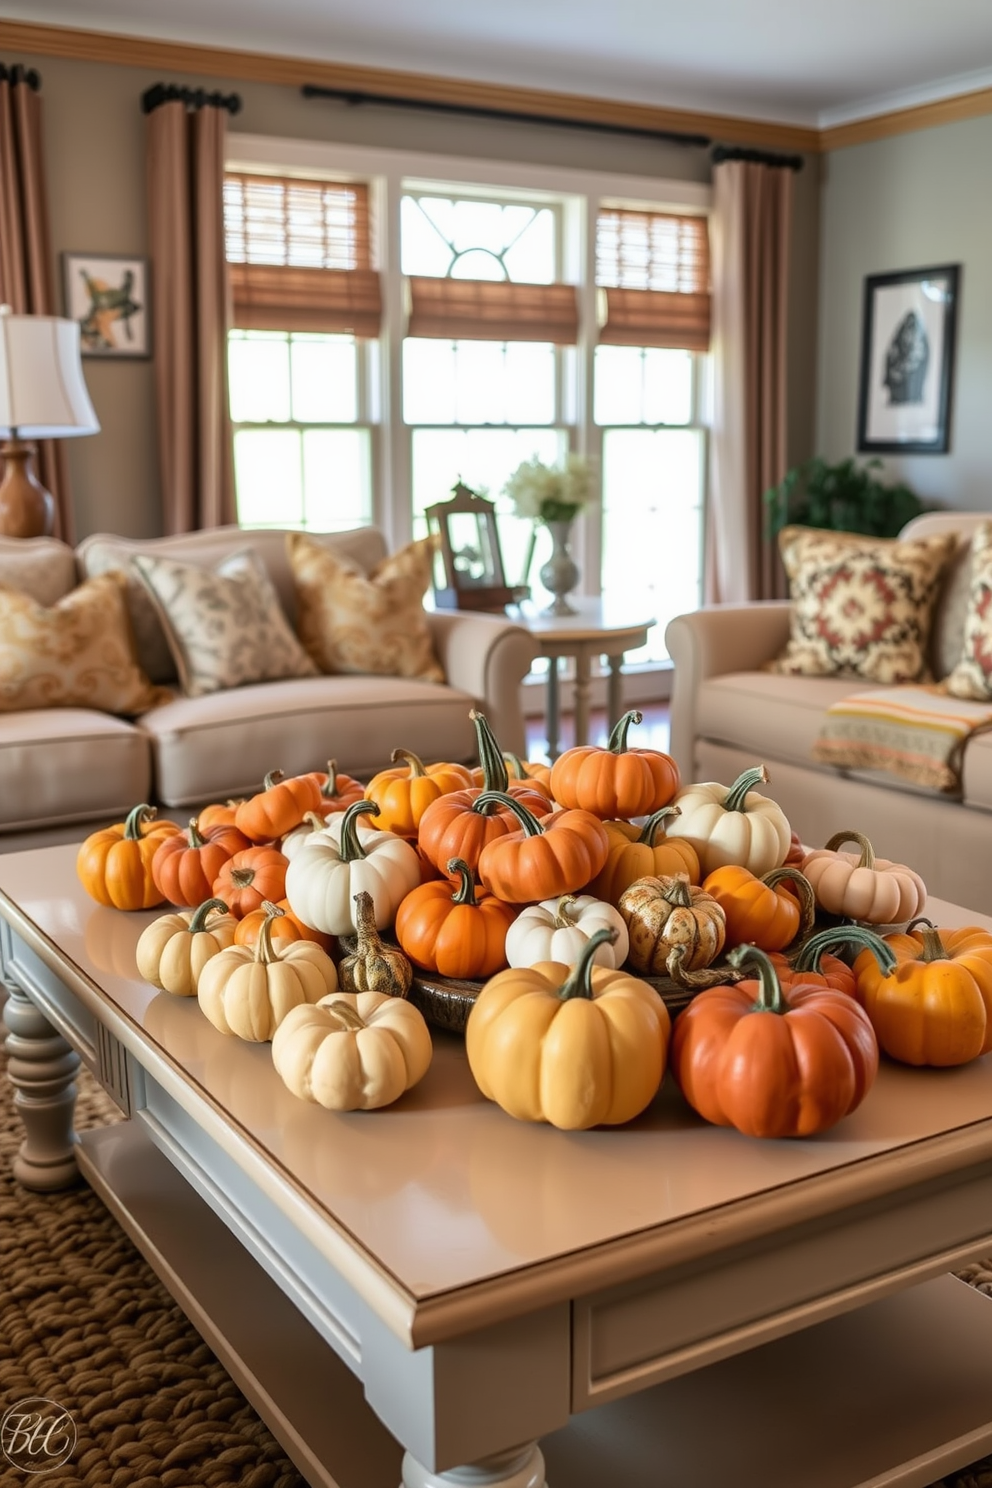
x=846 y=497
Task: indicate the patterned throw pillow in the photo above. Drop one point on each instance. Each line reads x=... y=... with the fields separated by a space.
x=77 y=653
x=972 y=677
x=860 y=605
x=355 y=622
x=225 y=625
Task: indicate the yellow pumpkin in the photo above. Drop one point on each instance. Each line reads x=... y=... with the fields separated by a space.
x=643 y=852
x=861 y=886
x=672 y=925
x=353 y=1051
x=576 y=1046
x=733 y=825
x=173 y=950
x=248 y=990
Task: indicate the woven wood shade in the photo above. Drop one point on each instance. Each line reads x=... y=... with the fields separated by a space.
x=653 y=269
x=484 y=310
x=299 y=255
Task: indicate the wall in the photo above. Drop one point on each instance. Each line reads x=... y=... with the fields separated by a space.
x=94 y=147
x=909 y=202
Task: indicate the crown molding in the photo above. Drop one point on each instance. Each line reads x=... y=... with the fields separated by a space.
x=908 y=120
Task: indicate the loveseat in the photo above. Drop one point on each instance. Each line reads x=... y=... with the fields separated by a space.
x=64 y=768
x=729 y=714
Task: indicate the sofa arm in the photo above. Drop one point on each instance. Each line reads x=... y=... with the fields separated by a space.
x=711 y=643
x=488 y=657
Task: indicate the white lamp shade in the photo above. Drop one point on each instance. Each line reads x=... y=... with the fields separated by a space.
x=42 y=391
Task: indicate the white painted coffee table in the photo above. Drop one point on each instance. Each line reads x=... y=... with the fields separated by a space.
x=440 y=1278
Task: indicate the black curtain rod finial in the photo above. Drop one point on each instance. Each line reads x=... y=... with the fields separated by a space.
x=755 y=157
x=18 y=74
x=193 y=98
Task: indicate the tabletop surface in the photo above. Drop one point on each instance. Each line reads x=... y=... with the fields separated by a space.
x=443 y=1189
x=596 y=619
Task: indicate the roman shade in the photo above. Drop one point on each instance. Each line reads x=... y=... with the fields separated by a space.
x=492 y=310
x=653 y=278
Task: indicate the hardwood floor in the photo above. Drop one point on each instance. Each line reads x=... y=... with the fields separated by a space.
x=652 y=733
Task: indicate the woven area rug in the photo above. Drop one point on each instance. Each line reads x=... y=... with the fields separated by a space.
x=85 y=1322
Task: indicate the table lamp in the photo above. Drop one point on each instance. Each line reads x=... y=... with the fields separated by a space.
x=42 y=396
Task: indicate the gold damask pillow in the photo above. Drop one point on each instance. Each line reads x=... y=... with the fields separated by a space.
x=77 y=653
x=972 y=676
x=350 y=621
x=860 y=605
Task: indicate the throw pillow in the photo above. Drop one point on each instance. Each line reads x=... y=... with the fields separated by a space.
x=77 y=653
x=860 y=605
x=972 y=677
x=225 y=626
x=350 y=621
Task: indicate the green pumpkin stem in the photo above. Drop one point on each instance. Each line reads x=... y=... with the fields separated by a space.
x=736 y=797
x=528 y=822
x=193 y=835
x=351 y=849
x=417 y=771
x=649 y=831
x=272 y=778
x=803 y=892
x=812 y=951
x=579 y=980
x=617 y=742
x=934 y=948
x=202 y=912
x=515 y=763
x=137 y=820
x=770 y=998
x=465 y=892
x=867 y=858
x=494 y=775
x=678 y=892
x=329 y=789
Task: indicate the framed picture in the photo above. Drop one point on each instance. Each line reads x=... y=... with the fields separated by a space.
x=108 y=296
x=907 y=358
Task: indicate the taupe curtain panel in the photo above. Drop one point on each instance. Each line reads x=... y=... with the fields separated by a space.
x=653 y=278
x=752 y=211
x=25 y=246
x=190 y=299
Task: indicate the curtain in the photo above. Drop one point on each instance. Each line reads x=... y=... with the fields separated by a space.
x=25 y=247
x=189 y=291
x=752 y=209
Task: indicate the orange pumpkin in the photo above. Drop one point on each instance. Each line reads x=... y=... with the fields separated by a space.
x=250 y=877
x=787 y=1063
x=769 y=912
x=278 y=807
x=114 y=865
x=338 y=791
x=187 y=864
x=454 y=931
x=218 y=814
x=285 y=926
x=535 y=772
x=404 y=794
x=558 y=855
x=616 y=781
x=814 y=964
x=643 y=852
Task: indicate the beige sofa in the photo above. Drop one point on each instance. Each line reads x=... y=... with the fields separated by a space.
x=64 y=768
x=728 y=714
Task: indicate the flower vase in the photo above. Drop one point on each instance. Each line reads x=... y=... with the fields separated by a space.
x=560 y=574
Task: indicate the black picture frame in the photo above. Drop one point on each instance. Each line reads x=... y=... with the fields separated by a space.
x=108 y=295
x=908 y=327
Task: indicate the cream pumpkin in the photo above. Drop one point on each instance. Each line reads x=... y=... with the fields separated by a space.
x=341 y=860
x=173 y=950
x=352 y=1051
x=733 y=824
x=248 y=990
x=557 y=930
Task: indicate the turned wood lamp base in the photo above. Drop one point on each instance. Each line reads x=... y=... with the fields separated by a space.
x=26 y=508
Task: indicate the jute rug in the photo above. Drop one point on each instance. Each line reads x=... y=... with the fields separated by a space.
x=85 y=1322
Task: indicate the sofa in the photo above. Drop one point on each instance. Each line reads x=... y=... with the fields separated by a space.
x=729 y=714
x=63 y=769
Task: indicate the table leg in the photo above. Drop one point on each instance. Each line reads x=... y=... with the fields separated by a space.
x=614 y=691
x=552 y=708
x=582 y=696
x=523 y=1467
x=41 y=1067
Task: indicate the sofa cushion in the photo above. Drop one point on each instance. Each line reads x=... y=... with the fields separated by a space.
x=364 y=546
x=971 y=676
x=40 y=566
x=976 y=774
x=224 y=744
x=70 y=764
x=774 y=717
x=224 y=625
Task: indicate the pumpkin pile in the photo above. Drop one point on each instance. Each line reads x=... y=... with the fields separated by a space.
x=559 y=889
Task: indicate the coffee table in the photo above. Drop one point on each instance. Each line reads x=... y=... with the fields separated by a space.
x=441 y=1279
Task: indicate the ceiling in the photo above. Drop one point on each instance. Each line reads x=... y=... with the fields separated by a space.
x=779 y=60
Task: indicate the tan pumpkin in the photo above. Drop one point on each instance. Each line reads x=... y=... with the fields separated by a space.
x=861 y=886
x=671 y=923
x=353 y=1052
x=173 y=950
x=248 y=990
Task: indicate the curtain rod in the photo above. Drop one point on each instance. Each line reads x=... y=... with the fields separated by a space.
x=480 y=111
x=19 y=74
x=196 y=98
x=756 y=157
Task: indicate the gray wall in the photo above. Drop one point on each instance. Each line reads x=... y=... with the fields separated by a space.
x=911 y=202
x=94 y=148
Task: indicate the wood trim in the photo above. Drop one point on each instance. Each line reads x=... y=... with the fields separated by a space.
x=218 y=62
x=908 y=120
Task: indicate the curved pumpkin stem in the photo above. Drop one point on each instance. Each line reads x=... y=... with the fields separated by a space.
x=700 y=979
x=351 y=848
x=528 y=822
x=770 y=999
x=563 y=919
x=677 y=893
x=515 y=763
x=867 y=858
x=812 y=951
x=494 y=775
x=408 y=757
x=274 y=777
x=934 y=948
x=330 y=785
x=579 y=980
x=736 y=797
x=202 y=912
x=465 y=892
x=617 y=743
x=136 y=819
x=804 y=893
x=346 y=1015
x=649 y=831
x=264 y=949
x=193 y=835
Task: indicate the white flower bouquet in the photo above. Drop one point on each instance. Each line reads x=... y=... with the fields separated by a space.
x=551 y=493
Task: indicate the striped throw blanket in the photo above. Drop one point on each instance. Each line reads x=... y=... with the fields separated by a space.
x=915 y=731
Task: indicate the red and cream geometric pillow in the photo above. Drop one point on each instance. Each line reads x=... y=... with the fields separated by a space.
x=860 y=605
x=972 y=677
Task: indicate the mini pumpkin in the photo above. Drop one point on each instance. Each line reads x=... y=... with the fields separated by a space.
x=186 y=865
x=404 y=794
x=733 y=824
x=284 y=926
x=374 y=966
x=618 y=781
x=770 y=912
x=643 y=852
x=114 y=865
x=338 y=791
x=666 y=918
x=545 y=858
x=249 y=878
x=278 y=807
x=454 y=930
x=814 y=963
x=173 y=950
x=861 y=886
x=529 y=772
x=557 y=930
x=248 y=990
x=353 y=1052
x=343 y=859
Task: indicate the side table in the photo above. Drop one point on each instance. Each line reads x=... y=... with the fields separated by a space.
x=597 y=629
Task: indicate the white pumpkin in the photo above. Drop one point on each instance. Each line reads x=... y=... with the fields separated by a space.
x=341 y=860
x=248 y=990
x=557 y=930
x=732 y=824
x=299 y=836
x=353 y=1051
